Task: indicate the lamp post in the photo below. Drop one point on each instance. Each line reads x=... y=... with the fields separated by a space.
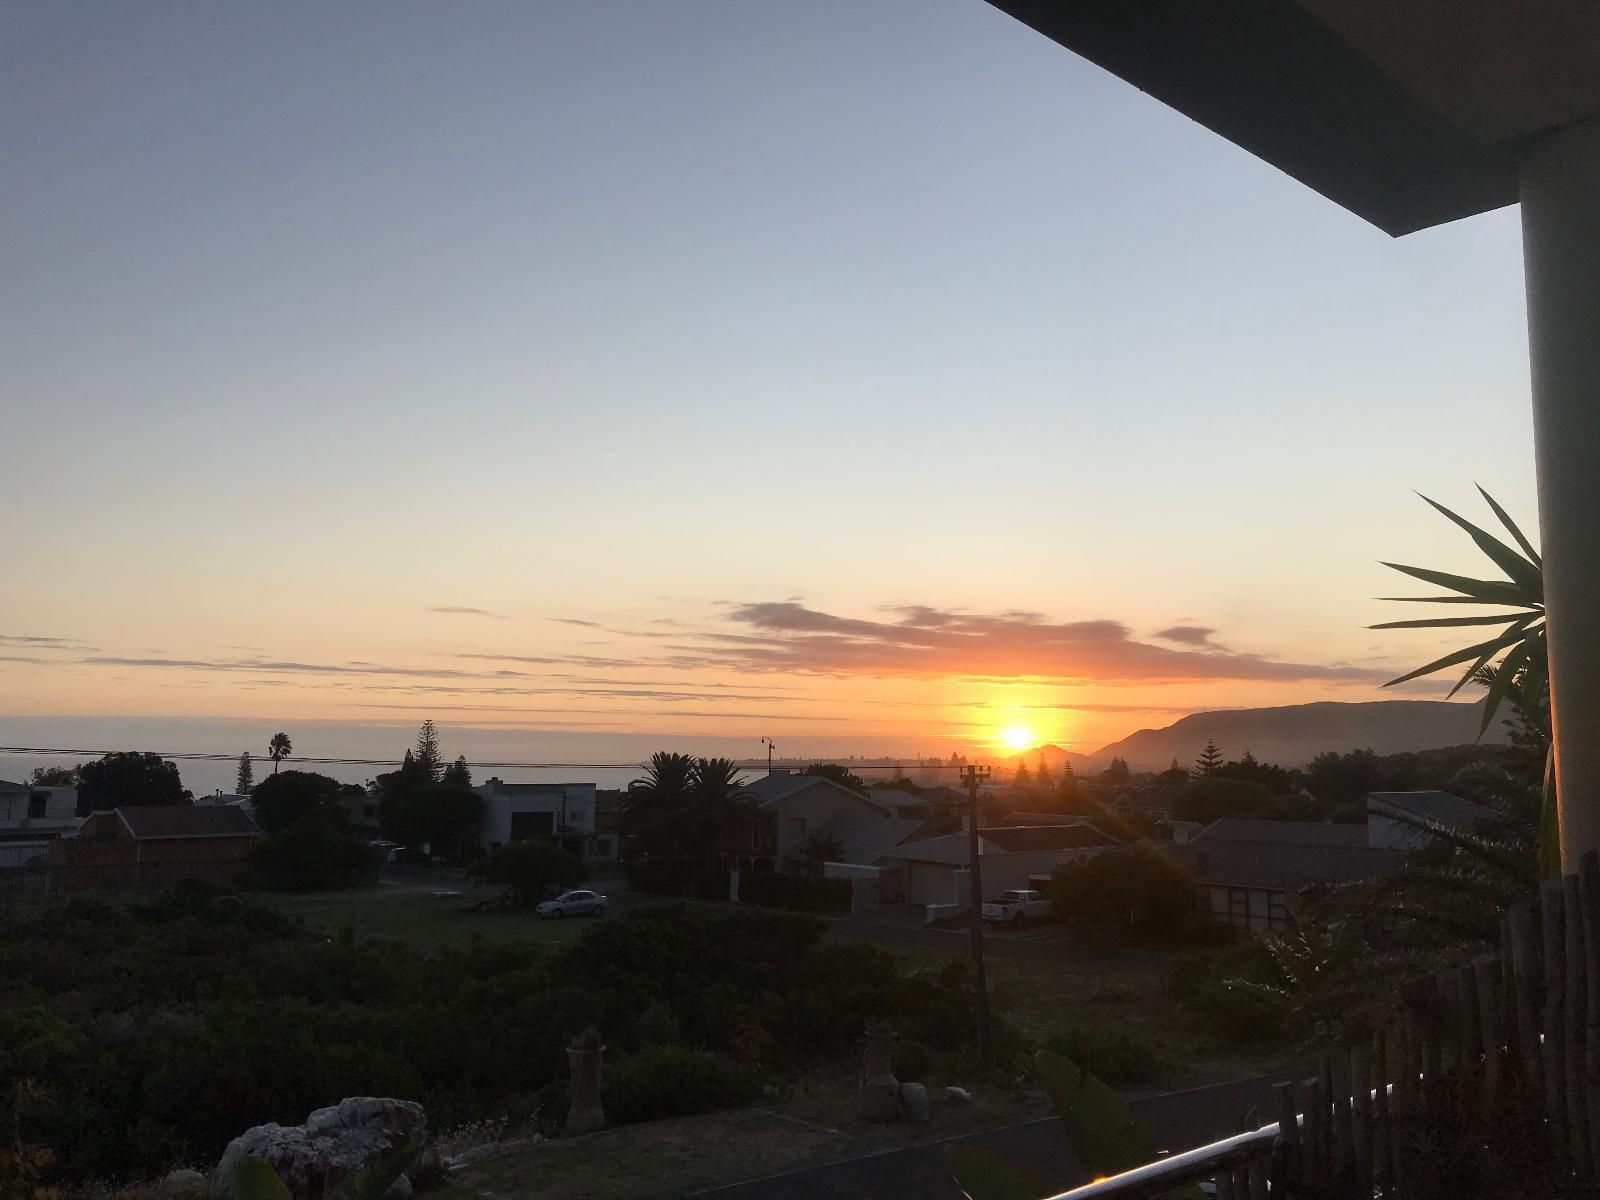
x=767 y=742
x=972 y=775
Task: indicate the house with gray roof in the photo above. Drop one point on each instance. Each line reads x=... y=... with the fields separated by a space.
x=1384 y=828
x=1245 y=870
x=790 y=809
x=935 y=869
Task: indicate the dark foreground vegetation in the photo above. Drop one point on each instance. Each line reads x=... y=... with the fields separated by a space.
x=153 y=1033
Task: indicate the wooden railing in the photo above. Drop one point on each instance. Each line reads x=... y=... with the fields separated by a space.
x=1504 y=1055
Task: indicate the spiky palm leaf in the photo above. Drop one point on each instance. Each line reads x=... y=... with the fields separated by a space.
x=1521 y=640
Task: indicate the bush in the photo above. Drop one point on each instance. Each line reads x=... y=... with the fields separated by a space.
x=798 y=893
x=314 y=854
x=689 y=878
x=530 y=868
x=1129 y=889
x=673 y=1081
x=1116 y=1057
x=1215 y=985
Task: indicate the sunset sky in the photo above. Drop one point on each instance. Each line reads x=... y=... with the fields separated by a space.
x=873 y=375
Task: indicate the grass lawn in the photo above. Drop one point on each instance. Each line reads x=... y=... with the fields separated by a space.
x=814 y=1121
x=1044 y=996
x=406 y=909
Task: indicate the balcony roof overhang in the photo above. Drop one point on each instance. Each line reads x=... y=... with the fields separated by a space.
x=1409 y=113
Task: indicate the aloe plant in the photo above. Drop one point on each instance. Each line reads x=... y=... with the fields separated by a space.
x=1513 y=662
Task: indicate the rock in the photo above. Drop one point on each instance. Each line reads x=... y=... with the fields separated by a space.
x=400 y=1187
x=182 y=1185
x=958 y=1095
x=914 y=1102
x=333 y=1143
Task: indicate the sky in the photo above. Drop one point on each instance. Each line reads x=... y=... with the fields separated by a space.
x=871 y=375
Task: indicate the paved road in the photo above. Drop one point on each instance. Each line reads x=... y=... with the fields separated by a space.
x=1180 y=1120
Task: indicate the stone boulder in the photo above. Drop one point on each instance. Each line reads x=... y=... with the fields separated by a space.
x=914 y=1102
x=332 y=1144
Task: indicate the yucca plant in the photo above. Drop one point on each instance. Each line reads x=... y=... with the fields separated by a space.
x=1514 y=662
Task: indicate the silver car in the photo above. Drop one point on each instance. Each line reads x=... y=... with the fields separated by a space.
x=574 y=904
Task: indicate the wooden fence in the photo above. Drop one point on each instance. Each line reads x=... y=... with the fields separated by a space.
x=1486 y=1084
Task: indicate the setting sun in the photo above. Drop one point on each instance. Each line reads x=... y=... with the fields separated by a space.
x=1017 y=737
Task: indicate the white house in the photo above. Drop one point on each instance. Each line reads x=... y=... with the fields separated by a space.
x=31 y=817
x=514 y=811
x=792 y=809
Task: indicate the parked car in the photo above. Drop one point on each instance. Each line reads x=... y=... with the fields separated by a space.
x=1016 y=907
x=574 y=904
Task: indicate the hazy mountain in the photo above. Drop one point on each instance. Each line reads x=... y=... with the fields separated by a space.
x=1053 y=756
x=1293 y=735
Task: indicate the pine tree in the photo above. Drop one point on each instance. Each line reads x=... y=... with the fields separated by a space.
x=1210 y=759
x=246 y=778
x=458 y=773
x=1042 y=776
x=427 y=758
x=1023 y=777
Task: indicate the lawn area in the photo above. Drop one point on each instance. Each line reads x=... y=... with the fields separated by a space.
x=813 y=1121
x=1044 y=996
x=405 y=907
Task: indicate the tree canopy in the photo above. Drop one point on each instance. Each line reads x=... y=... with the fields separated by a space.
x=530 y=868
x=282 y=799
x=128 y=780
x=432 y=814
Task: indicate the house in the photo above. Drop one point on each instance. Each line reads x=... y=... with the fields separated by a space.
x=935 y=869
x=515 y=811
x=1385 y=831
x=1245 y=870
x=154 y=846
x=789 y=809
x=31 y=817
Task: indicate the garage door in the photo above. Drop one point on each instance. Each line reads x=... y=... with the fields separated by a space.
x=929 y=883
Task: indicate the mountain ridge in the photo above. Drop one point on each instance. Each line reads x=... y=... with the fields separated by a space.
x=1292 y=734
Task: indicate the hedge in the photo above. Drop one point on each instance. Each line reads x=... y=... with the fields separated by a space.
x=798 y=893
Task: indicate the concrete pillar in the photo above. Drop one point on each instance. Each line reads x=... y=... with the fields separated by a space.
x=1561 y=252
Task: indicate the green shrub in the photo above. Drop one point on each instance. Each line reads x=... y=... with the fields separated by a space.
x=673 y=1081
x=1218 y=987
x=798 y=893
x=911 y=1062
x=689 y=878
x=1116 y=1057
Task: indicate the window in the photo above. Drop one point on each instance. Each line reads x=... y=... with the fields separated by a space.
x=796 y=827
x=531 y=824
x=37 y=803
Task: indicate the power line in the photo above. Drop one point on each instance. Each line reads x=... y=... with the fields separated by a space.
x=312 y=760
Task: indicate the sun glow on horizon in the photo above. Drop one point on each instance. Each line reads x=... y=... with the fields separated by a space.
x=1018 y=737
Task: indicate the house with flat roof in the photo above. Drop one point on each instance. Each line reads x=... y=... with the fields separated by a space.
x=514 y=812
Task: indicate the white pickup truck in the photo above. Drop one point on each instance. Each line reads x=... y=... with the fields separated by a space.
x=1013 y=908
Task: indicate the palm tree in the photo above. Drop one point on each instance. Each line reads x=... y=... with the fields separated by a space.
x=822 y=848
x=278 y=749
x=719 y=799
x=1523 y=666
x=655 y=808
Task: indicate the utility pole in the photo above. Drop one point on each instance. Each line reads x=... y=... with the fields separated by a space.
x=767 y=742
x=972 y=776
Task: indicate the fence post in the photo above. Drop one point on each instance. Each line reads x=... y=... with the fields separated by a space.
x=1286 y=1154
x=1589 y=900
x=1486 y=979
x=1575 y=1027
x=1553 y=1025
x=1525 y=966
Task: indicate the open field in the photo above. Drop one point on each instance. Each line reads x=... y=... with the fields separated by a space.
x=1044 y=992
x=812 y=1122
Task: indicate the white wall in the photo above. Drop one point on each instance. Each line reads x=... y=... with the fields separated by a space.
x=60 y=810
x=816 y=805
x=570 y=803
